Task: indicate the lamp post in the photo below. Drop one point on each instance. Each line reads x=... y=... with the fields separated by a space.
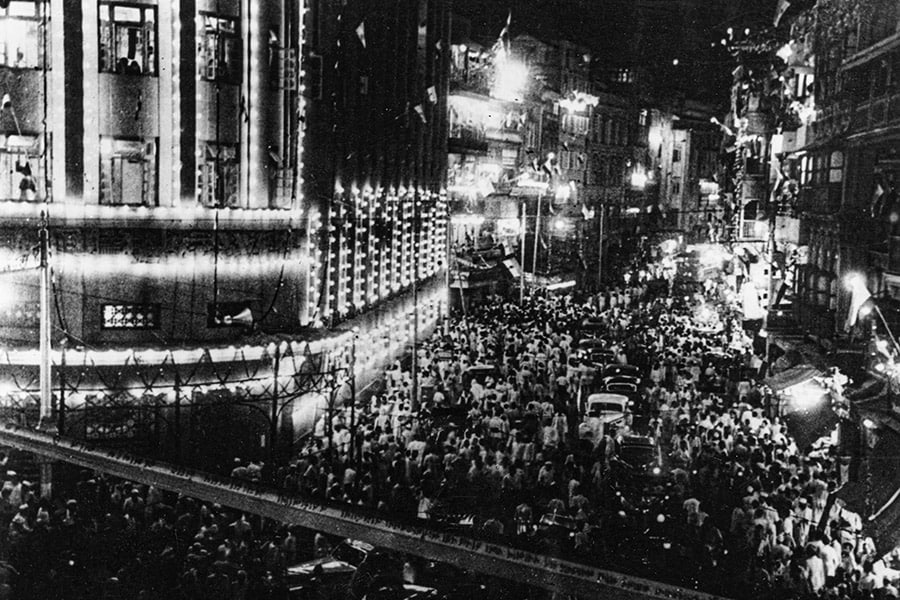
x=522 y=226
x=602 y=208
x=537 y=233
x=46 y=408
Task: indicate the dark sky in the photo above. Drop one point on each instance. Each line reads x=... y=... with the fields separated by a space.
x=647 y=33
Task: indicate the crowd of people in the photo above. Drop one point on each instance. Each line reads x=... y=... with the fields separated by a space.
x=506 y=449
x=491 y=442
x=114 y=540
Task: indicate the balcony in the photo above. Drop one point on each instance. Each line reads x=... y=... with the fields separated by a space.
x=472 y=80
x=875 y=114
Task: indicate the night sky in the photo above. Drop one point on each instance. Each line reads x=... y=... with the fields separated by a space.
x=648 y=34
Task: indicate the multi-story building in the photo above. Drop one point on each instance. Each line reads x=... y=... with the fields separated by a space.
x=488 y=116
x=219 y=178
x=692 y=188
x=843 y=66
x=557 y=133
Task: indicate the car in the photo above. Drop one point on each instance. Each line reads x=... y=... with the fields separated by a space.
x=602 y=411
x=558 y=526
x=617 y=379
x=624 y=388
x=641 y=453
x=592 y=325
x=480 y=372
x=405 y=591
x=641 y=471
x=585 y=346
x=610 y=370
x=330 y=575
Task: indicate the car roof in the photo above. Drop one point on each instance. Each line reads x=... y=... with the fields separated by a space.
x=607 y=397
x=360 y=545
x=328 y=564
x=637 y=440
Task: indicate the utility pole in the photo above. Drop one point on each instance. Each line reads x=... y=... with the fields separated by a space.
x=353 y=429
x=46 y=407
x=46 y=393
x=537 y=233
x=602 y=208
x=273 y=418
x=522 y=227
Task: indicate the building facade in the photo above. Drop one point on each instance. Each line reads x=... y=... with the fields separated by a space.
x=194 y=249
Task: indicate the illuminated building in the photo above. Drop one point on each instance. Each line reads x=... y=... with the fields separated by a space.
x=195 y=251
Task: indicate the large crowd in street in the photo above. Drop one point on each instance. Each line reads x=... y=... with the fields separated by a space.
x=744 y=512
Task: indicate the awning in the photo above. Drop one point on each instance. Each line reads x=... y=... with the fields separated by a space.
x=791 y=377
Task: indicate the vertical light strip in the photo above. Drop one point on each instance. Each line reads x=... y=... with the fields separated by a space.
x=168 y=47
x=57 y=98
x=254 y=108
x=201 y=125
x=91 y=97
x=245 y=102
x=176 y=102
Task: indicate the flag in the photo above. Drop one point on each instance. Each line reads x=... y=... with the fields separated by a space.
x=438 y=45
x=877 y=207
x=361 y=33
x=421 y=112
x=859 y=295
x=505 y=31
x=587 y=212
x=432 y=94
x=783 y=5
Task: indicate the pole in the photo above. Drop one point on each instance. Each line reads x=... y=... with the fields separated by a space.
x=537 y=232
x=177 y=416
x=352 y=452
x=61 y=409
x=45 y=408
x=522 y=244
x=414 y=393
x=602 y=208
x=273 y=418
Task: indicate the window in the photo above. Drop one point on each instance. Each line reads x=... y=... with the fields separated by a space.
x=217 y=176
x=642 y=117
x=127 y=39
x=21 y=172
x=130 y=316
x=509 y=157
x=219 y=49
x=312 y=76
x=127 y=171
x=20 y=36
x=676 y=154
x=836 y=169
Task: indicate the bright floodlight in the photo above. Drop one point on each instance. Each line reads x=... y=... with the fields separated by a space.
x=638 y=178
x=510 y=78
x=854 y=281
x=559 y=224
